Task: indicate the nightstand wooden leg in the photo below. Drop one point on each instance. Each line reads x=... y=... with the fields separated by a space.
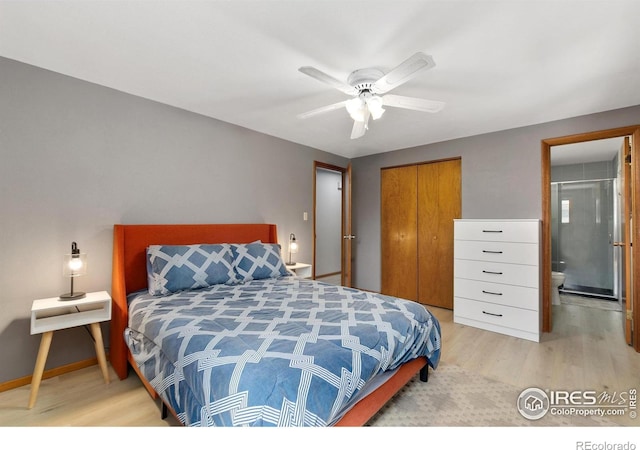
x=102 y=360
x=45 y=343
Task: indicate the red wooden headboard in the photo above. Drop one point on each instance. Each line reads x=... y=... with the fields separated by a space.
x=130 y=244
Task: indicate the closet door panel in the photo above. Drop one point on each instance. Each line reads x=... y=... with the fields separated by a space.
x=439 y=192
x=399 y=257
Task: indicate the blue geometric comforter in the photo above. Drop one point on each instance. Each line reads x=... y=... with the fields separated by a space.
x=276 y=352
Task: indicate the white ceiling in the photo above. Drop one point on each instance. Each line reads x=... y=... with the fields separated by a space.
x=499 y=64
x=586 y=152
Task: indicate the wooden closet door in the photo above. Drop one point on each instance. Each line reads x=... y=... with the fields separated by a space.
x=399 y=256
x=439 y=202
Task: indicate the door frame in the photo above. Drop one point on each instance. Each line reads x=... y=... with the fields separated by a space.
x=343 y=171
x=625 y=235
x=546 y=145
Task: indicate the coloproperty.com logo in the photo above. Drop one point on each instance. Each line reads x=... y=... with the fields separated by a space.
x=534 y=403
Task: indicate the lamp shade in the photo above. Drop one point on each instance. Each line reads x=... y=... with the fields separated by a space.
x=356 y=109
x=374 y=104
x=74 y=266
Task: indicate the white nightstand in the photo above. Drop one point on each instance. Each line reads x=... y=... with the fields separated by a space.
x=51 y=314
x=301 y=269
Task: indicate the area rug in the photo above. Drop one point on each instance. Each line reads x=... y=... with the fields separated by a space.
x=455 y=397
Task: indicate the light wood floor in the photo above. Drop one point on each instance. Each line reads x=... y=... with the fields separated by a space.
x=586 y=350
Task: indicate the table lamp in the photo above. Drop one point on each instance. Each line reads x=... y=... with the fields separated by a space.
x=293 y=248
x=75 y=265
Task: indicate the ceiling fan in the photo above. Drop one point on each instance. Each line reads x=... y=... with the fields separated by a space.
x=366 y=85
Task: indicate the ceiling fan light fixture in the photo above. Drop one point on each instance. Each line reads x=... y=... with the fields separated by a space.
x=374 y=104
x=356 y=109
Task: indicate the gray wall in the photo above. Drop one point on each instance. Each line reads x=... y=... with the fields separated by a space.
x=77 y=158
x=501 y=178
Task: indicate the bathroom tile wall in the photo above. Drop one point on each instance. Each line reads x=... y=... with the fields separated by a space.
x=584 y=171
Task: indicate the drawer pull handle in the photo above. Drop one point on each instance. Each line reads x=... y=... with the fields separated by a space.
x=491 y=314
x=491 y=272
x=497 y=252
x=492 y=231
x=492 y=293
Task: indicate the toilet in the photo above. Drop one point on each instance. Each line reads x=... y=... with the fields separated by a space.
x=557 y=279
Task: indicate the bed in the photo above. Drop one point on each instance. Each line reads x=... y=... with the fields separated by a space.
x=249 y=343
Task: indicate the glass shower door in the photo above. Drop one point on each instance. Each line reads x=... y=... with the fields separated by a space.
x=585 y=226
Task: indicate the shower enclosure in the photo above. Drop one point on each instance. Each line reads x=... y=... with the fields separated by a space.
x=583 y=228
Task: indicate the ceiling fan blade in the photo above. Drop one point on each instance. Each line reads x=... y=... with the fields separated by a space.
x=402 y=73
x=322 y=109
x=359 y=128
x=417 y=104
x=328 y=79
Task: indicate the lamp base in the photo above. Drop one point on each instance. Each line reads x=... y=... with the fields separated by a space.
x=290 y=264
x=72 y=295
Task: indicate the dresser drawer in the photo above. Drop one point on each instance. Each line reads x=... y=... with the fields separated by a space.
x=502 y=252
x=501 y=294
x=500 y=315
x=501 y=231
x=515 y=274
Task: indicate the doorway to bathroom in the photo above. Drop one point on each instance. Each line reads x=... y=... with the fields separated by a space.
x=613 y=241
x=586 y=217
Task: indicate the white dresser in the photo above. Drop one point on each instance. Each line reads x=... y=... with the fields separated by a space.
x=497 y=276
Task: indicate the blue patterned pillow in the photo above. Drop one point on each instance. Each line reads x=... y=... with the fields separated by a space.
x=172 y=268
x=257 y=261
